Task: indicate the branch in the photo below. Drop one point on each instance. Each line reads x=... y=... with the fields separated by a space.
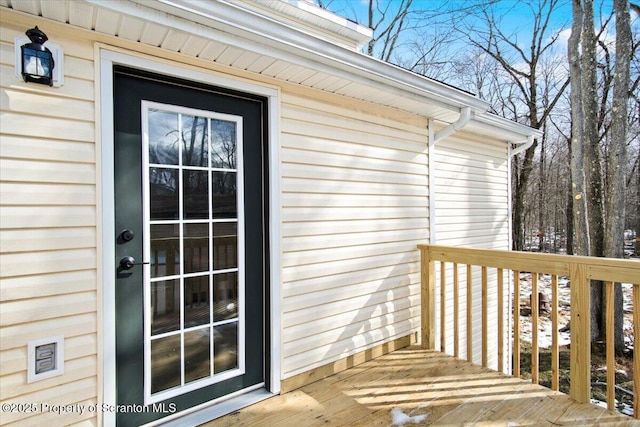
x=555 y=100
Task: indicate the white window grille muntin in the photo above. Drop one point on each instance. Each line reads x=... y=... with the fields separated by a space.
x=183 y=388
x=189 y=275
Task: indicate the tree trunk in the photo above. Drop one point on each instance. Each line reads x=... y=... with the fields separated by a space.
x=592 y=164
x=541 y=196
x=637 y=246
x=617 y=157
x=569 y=192
x=581 y=226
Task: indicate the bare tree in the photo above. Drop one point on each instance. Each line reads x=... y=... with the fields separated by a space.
x=389 y=21
x=522 y=68
x=387 y=26
x=578 y=178
x=600 y=114
x=616 y=155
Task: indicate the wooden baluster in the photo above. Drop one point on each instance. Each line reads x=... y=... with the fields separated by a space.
x=456 y=301
x=534 y=328
x=485 y=322
x=500 y=320
x=555 y=348
x=610 y=347
x=516 y=323
x=636 y=350
x=443 y=308
x=469 y=315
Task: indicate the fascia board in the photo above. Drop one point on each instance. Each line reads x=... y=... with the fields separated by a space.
x=230 y=24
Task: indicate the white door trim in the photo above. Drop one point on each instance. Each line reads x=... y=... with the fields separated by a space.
x=106 y=215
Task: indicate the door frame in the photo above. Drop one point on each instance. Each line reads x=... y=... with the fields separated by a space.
x=107 y=58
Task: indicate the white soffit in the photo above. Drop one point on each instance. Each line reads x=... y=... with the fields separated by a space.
x=234 y=35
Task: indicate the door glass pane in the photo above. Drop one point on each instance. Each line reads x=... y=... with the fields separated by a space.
x=163 y=137
x=196 y=247
x=224 y=197
x=197 y=354
x=196 y=301
x=166 y=363
x=225 y=347
x=223 y=144
x=195 y=141
x=225 y=245
x=165 y=306
x=196 y=194
x=225 y=296
x=165 y=250
x=163 y=191
x=192 y=281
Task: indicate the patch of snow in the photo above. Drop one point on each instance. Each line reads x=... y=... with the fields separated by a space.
x=545 y=329
x=622 y=407
x=399 y=418
x=625 y=408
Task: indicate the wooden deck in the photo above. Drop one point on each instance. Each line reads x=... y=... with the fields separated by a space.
x=445 y=390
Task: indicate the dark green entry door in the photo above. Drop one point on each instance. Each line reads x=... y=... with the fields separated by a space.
x=190 y=193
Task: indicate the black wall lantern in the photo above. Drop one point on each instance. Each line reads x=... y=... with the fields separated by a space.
x=37 y=60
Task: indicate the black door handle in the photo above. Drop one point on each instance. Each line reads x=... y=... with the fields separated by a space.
x=127 y=262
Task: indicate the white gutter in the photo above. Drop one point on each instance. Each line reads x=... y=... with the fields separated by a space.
x=513 y=132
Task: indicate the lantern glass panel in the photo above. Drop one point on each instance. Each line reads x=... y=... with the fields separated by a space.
x=36 y=64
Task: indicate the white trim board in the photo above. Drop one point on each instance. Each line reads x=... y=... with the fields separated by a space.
x=106 y=59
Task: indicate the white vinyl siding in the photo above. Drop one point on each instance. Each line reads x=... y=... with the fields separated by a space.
x=472 y=210
x=354 y=207
x=48 y=254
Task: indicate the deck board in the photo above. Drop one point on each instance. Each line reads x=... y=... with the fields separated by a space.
x=448 y=391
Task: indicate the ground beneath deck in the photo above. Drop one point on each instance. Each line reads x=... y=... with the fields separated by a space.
x=419 y=387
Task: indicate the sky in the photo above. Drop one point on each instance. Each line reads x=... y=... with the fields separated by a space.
x=517 y=18
x=517 y=14
x=516 y=21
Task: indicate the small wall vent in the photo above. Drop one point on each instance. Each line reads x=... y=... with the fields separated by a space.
x=45 y=358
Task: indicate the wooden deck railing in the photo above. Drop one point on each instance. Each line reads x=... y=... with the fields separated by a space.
x=579 y=270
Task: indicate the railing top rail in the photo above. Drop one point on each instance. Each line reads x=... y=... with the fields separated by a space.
x=611 y=269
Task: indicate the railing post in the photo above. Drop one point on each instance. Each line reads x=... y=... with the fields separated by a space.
x=428 y=313
x=636 y=350
x=516 y=324
x=580 y=376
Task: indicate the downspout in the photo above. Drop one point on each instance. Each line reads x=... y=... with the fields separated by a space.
x=511 y=152
x=510 y=277
x=465 y=116
x=434 y=137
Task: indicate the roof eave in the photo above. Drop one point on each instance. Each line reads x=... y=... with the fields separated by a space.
x=278 y=37
x=248 y=30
